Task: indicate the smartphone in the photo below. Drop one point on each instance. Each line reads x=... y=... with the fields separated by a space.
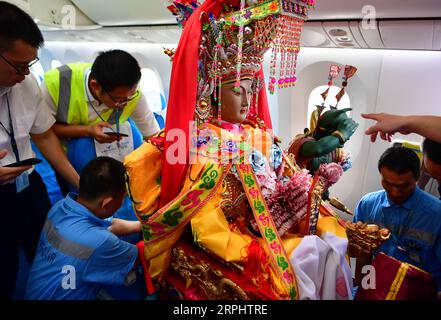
x=115 y=134
x=27 y=162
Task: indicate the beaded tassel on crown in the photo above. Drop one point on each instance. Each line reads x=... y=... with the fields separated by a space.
x=287 y=42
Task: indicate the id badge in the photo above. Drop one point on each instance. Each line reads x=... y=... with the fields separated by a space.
x=118 y=149
x=22 y=182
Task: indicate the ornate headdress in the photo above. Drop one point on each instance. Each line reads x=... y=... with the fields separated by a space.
x=224 y=41
x=231 y=50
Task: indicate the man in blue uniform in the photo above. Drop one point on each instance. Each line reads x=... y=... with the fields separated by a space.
x=79 y=251
x=412 y=215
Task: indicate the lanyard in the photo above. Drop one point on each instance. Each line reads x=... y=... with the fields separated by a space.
x=403 y=227
x=10 y=132
x=96 y=111
x=117 y=120
x=102 y=119
x=117 y=115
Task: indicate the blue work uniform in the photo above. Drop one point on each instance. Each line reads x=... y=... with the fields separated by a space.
x=415 y=226
x=77 y=255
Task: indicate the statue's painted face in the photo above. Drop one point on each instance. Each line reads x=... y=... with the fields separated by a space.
x=236 y=104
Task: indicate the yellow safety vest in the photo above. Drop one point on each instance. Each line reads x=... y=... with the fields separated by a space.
x=67 y=89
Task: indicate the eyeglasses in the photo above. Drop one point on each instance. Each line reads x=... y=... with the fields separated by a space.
x=21 y=70
x=124 y=102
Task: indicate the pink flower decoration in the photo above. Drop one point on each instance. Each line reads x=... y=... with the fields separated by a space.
x=193 y=199
x=276 y=247
x=157 y=227
x=288 y=202
x=264 y=219
x=288 y=277
x=244 y=168
x=331 y=172
x=253 y=192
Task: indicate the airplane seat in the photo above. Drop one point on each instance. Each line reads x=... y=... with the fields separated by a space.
x=160 y=120
x=46 y=172
x=82 y=150
x=159 y=115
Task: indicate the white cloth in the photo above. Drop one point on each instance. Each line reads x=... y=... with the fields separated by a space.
x=29 y=113
x=141 y=115
x=321 y=269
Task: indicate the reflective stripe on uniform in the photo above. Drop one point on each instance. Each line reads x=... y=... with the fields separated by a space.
x=64 y=245
x=64 y=93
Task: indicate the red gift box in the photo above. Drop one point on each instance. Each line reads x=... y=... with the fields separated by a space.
x=396 y=280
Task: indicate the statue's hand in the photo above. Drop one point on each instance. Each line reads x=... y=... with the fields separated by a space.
x=347 y=128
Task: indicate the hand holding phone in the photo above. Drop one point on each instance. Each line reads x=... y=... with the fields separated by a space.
x=97 y=132
x=8 y=173
x=116 y=134
x=23 y=163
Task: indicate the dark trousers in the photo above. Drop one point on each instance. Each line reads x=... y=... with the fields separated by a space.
x=22 y=218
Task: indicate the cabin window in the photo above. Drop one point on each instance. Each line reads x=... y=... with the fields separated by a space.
x=151 y=87
x=315 y=98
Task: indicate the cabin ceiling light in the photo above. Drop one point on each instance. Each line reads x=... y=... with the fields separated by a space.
x=337 y=32
x=346 y=44
x=344 y=39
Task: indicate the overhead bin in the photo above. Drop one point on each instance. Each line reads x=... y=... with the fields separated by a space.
x=126 y=12
x=313 y=36
x=437 y=35
x=56 y=14
x=410 y=34
x=335 y=24
x=384 y=34
x=381 y=9
x=372 y=35
x=355 y=30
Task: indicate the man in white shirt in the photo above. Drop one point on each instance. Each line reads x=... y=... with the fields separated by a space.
x=96 y=100
x=23 y=115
